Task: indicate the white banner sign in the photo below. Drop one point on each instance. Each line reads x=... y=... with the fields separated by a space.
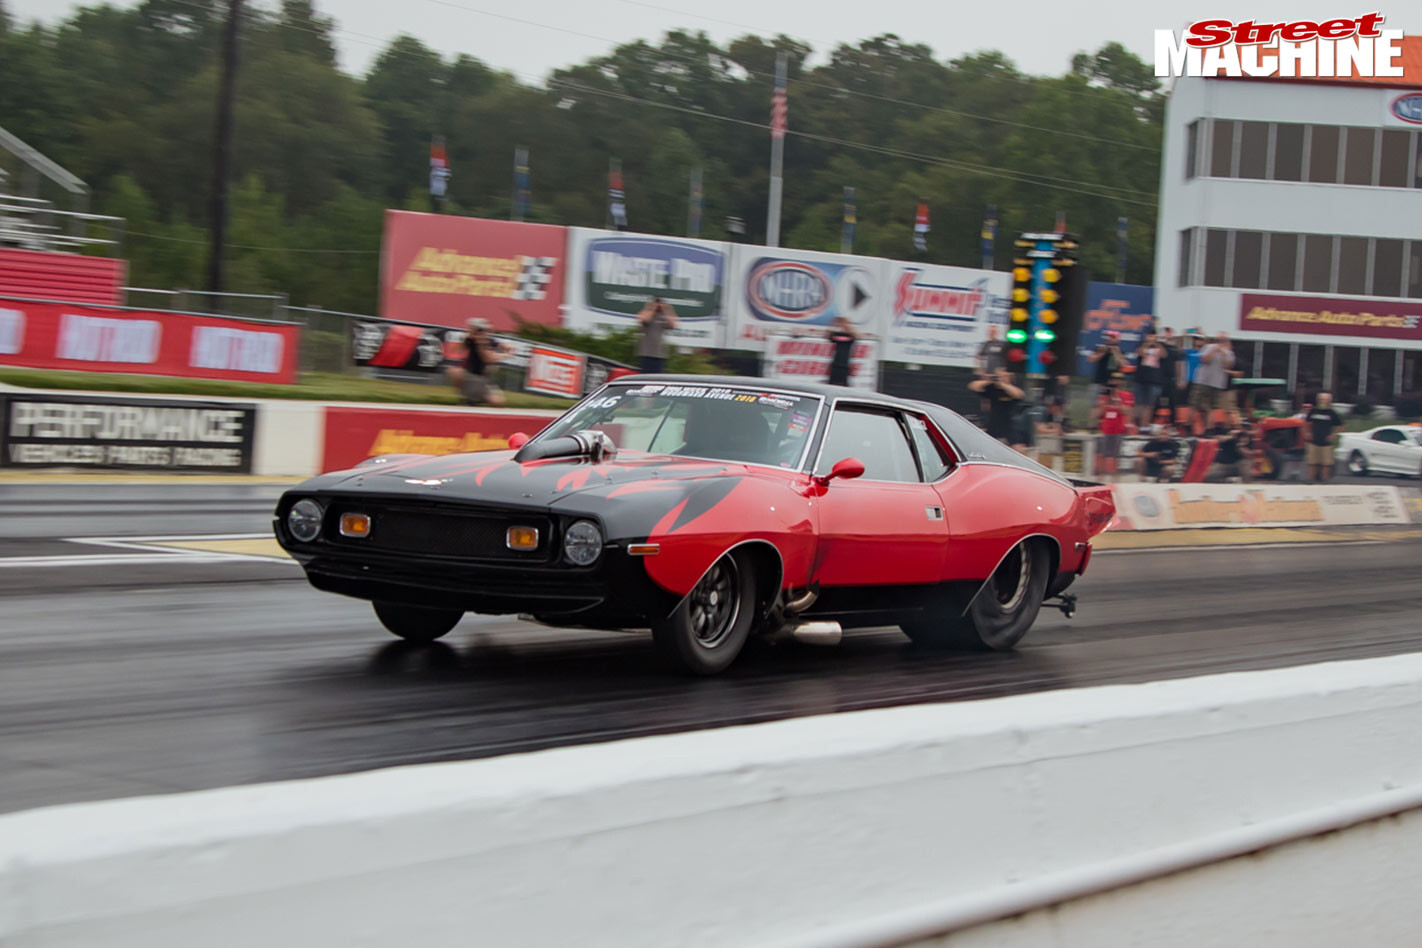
x=939 y=315
x=1178 y=506
x=777 y=290
x=804 y=357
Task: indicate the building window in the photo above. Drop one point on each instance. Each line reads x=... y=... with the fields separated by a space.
x=1216 y=243
x=1187 y=240
x=1283 y=262
x=1222 y=149
x=1276 y=361
x=1192 y=148
x=1345 y=372
x=1288 y=152
x=1392 y=168
x=1417 y=165
x=1414 y=269
x=1411 y=370
x=1382 y=369
x=1248 y=255
x=1244 y=351
x=1310 y=377
x=1323 y=154
x=1387 y=267
x=1253 y=149
x=1353 y=265
x=1318 y=263
x=1358 y=155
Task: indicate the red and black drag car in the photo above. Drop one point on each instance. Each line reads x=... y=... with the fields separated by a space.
x=710 y=509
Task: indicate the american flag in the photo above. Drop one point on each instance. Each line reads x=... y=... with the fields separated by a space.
x=778 y=112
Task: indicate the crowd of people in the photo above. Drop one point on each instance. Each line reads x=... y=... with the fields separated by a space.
x=1174 y=390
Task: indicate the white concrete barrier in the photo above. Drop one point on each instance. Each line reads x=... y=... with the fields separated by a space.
x=727 y=837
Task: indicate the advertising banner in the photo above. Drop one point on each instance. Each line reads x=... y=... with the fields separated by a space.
x=1124 y=307
x=441 y=269
x=145 y=342
x=611 y=276
x=1175 y=506
x=554 y=372
x=939 y=315
x=355 y=434
x=784 y=289
x=135 y=434
x=1331 y=316
x=804 y=358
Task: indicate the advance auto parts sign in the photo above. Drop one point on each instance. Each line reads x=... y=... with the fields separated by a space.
x=127 y=434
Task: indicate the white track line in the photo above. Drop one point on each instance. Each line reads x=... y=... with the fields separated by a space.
x=145 y=551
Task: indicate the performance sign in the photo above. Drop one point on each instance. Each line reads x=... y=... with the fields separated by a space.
x=805 y=358
x=127 y=434
x=939 y=315
x=1330 y=316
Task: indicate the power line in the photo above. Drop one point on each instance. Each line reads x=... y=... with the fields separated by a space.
x=1022 y=177
x=185 y=240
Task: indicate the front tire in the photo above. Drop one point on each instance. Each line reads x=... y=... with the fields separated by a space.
x=1002 y=611
x=416 y=623
x=1358 y=464
x=708 y=628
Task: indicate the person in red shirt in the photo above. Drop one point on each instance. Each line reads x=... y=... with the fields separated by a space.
x=1111 y=421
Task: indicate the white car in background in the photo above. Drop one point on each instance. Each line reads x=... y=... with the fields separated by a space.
x=1391 y=449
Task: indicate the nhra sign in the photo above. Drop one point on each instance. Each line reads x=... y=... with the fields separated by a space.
x=356 y=434
x=1124 y=307
x=788 y=288
x=939 y=315
x=132 y=434
x=792 y=357
x=145 y=342
x=436 y=268
x=613 y=276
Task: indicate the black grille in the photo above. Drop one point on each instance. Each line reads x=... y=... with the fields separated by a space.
x=446 y=533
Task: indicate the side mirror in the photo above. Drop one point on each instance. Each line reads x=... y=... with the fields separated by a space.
x=846 y=468
x=517 y=440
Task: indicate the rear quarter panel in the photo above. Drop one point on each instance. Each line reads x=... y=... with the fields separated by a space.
x=990 y=508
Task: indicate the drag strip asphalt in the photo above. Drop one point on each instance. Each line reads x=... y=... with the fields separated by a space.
x=147 y=676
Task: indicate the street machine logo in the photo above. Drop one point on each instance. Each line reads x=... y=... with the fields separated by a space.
x=1349 y=46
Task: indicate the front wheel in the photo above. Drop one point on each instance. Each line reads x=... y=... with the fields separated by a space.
x=1357 y=464
x=708 y=628
x=416 y=623
x=1002 y=611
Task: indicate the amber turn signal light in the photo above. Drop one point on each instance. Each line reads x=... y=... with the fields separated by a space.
x=355 y=525
x=521 y=538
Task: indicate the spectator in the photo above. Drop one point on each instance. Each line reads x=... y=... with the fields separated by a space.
x=1170 y=372
x=1003 y=398
x=1055 y=396
x=655 y=319
x=1158 y=456
x=992 y=354
x=481 y=353
x=843 y=337
x=1150 y=358
x=1111 y=421
x=1108 y=360
x=1234 y=457
x=1207 y=392
x=1323 y=424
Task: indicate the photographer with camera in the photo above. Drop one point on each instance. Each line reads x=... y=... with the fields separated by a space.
x=655 y=319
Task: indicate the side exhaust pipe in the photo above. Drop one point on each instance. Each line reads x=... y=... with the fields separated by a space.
x=817 y=633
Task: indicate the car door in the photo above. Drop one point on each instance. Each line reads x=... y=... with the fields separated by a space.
x=887 y=527
x=1387 y=451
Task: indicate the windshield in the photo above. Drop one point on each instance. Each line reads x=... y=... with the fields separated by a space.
x=728 y=423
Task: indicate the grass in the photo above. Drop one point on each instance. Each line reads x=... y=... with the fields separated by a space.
x=314 y=386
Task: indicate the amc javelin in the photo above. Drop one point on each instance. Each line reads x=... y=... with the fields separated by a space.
x=710 y=509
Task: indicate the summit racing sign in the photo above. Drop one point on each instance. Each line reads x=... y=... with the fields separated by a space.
x=940 y=315
x=1349 y=46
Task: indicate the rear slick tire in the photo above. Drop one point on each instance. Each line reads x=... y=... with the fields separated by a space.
x=709 y=627
x=1002 y=611
x=416 y=623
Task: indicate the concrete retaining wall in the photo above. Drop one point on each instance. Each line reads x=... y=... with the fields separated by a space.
x=735 y=836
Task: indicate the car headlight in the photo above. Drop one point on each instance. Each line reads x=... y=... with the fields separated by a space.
x=582 y=544
x=304 y=520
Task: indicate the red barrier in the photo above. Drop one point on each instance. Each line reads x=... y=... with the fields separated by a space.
x=442 y=269
x=61 y=276
x=95 y=339
x=355 y=434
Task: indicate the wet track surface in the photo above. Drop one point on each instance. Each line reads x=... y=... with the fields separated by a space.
x=121 y=678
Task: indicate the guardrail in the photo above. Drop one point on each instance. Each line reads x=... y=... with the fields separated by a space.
x=800 y=832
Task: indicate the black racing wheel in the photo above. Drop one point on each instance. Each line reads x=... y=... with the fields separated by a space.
x=1357 y=464
x=708 y=628
x=416 y=623
x=1002 y=611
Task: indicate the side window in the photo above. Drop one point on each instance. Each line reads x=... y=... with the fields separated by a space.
x=1389 y=435
x=874 y=438
x=930 y=456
